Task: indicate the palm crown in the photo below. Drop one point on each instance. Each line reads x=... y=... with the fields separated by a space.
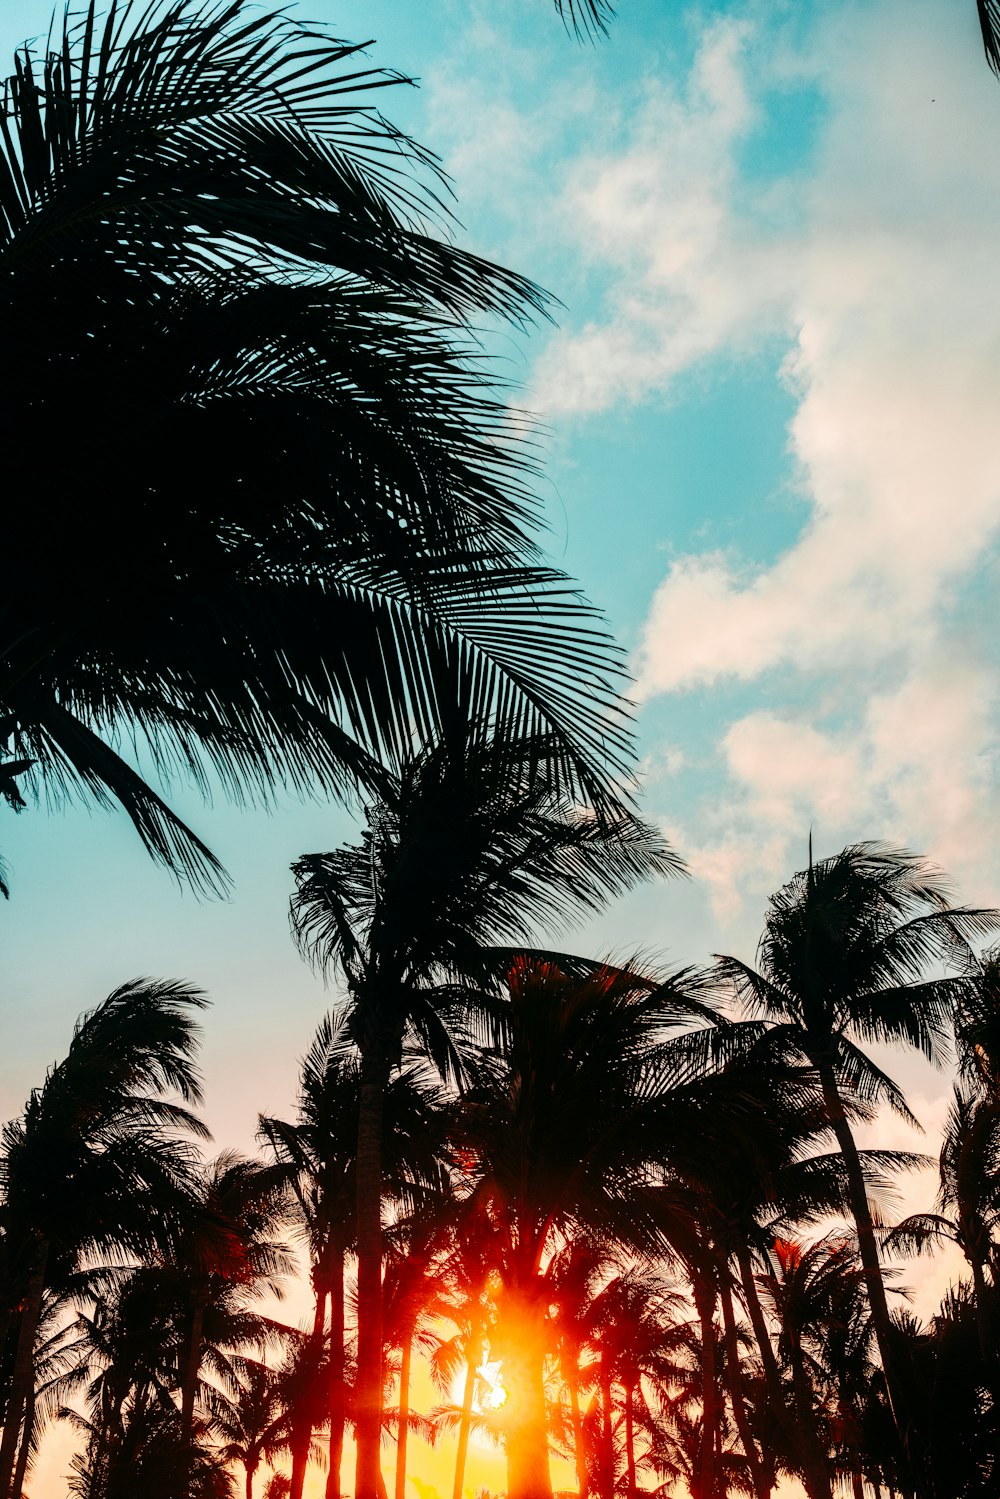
x=224 y=271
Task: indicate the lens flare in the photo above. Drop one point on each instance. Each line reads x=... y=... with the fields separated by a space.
x=491 y=1393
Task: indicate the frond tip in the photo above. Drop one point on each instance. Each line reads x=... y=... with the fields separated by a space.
x=586 y=18
x=989 y=22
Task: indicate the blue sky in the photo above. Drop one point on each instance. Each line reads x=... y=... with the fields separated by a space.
x=769 y=420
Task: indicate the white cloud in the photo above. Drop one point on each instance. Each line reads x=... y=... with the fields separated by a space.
x=690 y=276
x=915 y=766
x=881 y=270
x=897 y=370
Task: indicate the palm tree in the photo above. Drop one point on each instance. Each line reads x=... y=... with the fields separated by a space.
x=253 y=1427
x=638 y=1335
x=230 y=1256
x=212 y=243
x=98 y=1164
x=317 y=1155
x=968 y=1200
x=564 y=1121
x=471 y=846
x=846 y=945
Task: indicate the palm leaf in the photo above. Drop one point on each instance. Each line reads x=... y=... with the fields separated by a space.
x=989 y=21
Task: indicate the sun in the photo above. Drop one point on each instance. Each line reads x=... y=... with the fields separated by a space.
x=490 y=1394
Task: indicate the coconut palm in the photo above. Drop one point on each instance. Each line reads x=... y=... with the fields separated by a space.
x=232 y=1253
x=317 y=1155
x=637 y=1331
x=968 y=1200
x=101 y=1163
x=224 y=272
x=472 y=845
x=252 y=1427
x=565 y=1121
x=842 y=963
x=977 y=1027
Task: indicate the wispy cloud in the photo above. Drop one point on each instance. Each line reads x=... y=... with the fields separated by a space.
x=882 y=279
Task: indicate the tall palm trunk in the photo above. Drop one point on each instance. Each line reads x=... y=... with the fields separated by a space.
x=607 y=1463
x=251 y=1468
x=868 y=1251
x=708 y=1466
x=300 y=1444
x=762 y=1487
x=571 y=1376
x=24 y=1451
x=987 y=1349
x=192 y=1361
x=805 y=1410
x=523 y=1362
x=630 y=1486
x=337 y=1388
x=802 y=1441
x=303 y=1414
x=22 y=1381
x=403 y=1415
x=368 y=1388
x=475 y=1349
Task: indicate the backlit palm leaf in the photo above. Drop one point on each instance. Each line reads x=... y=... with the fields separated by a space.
x=273 y=515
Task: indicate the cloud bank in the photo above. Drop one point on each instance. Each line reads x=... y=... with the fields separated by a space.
x=879 y=269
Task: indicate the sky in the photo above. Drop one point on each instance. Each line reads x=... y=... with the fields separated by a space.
x=768 y=419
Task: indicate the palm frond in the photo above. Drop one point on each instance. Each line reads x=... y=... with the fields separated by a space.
x=989 y=22
x=587 y=18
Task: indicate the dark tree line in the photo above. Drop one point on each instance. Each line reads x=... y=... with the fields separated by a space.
x=615 y=1211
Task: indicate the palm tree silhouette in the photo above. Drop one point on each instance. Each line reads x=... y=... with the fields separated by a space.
x=318 y=1157
x=846 y=947
x=471 y=846
x=227 y=274
x=253 y=1427
x=564 y=1121
x=100 y=1163
x=968 y=1201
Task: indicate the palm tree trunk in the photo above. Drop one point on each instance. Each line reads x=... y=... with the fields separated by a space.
x=192 y=1361
x=248 y=1486
x=868 y=1251
x=304 y=1414
x=22 y=1380
x=571 y=1376
x=816 y=1474
x=368 y=1388
x=802 y=1442
x=403 y=1416
x=607 y=1466
x=301 y=1440
x=983 y=1331
x=464 y=1427
x=523 y=1360
x=708 y=1468
x=475 y=1349
x=762 y=1488
x=25 y=1449
x=630 y=1487
x=337 y=1390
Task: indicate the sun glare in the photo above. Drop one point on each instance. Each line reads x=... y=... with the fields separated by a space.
x=490 y=1393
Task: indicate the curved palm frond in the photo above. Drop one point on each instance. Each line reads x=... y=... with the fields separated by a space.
x=587 y=17
x=214 y=245
x=989 y=22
